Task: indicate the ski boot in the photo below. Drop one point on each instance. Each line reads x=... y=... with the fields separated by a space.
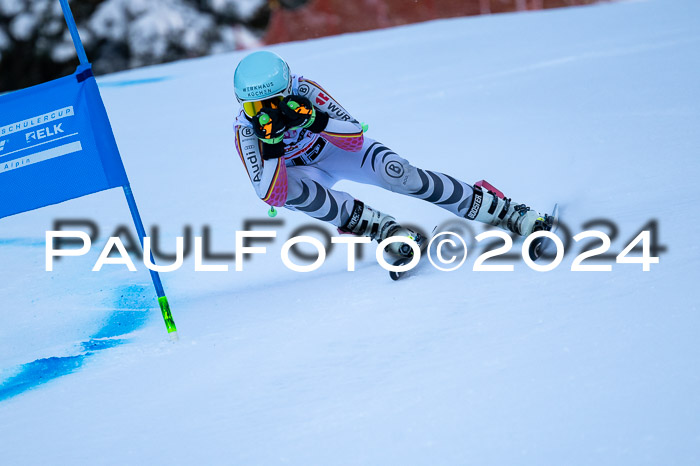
x=366 y=221
x=490 y=206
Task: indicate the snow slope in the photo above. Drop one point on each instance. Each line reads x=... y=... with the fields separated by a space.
x=595 y=107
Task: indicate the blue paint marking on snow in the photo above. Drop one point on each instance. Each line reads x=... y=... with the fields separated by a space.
x=23 y=242
x=133 y=306
x=132 y=82
x=38 y=372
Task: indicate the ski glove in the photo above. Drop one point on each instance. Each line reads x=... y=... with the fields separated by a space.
x=299 y=112
x=272 y=151
x=269 y=125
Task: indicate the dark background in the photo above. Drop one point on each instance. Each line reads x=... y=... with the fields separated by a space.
x=35 y=45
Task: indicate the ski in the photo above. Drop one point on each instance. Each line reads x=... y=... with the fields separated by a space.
x=405 y=260
x=539 y=246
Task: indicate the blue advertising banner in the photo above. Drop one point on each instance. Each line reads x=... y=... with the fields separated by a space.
x=56 y=144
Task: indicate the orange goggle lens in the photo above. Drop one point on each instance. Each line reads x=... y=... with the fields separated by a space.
x=252 y=108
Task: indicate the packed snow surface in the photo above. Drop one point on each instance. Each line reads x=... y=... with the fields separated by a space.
x=596 y=108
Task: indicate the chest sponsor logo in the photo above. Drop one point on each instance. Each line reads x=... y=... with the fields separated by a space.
x=316 y=149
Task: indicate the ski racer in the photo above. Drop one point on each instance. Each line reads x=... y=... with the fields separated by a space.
x=296 y=141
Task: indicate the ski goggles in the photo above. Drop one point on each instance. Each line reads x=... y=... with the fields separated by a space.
x=252 y=108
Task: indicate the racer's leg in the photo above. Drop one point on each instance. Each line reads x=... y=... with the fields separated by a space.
x=308 y=192
x=378 y=165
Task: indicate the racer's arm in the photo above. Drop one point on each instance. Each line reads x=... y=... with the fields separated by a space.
x=342 y=129
x=269 y=177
